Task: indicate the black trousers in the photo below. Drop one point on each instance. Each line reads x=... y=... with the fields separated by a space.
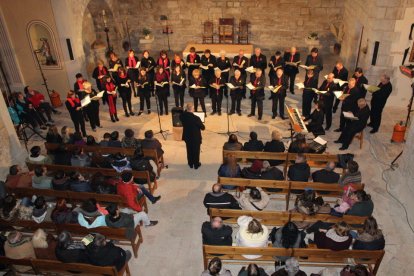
x=144 y=99
x=92 y=110
x=193 y=153
x=216 y=100
x=163 y=102
x=278 y=98
x=79 y=123
x=236 y=102
x=376 y=114
x=126 y=101
x=336 y=104
x=327 y=109
x=307 y=98
x=203 y=105
x=47 y=109
x=259 y=102
x=179 y=96
x=292 y=77
x=347 y=134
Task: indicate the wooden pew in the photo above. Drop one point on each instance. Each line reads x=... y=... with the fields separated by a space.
x=159 y=160
x=306 y=256
x=287 y=186
x=92 y=170
x=47 y=267
x=118 y=234
x=280 y=218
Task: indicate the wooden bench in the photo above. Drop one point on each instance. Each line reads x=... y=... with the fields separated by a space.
x=151 y=153
x=118 y=234
x=286 y=186
x=359 y=136
x=48 y=267
x=306 y=256
x=280 y=218
x=153 y=185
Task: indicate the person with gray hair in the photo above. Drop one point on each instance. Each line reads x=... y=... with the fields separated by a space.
x=378 y=101
x=327 y=174
x=192 y=126
x=291 y=268
x=217 y=85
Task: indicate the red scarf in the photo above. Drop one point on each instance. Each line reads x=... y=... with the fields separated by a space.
x=240 y=60
x=161 y=77
x=110 y=86
x=257 y=58
x=177 y=61
x=218 y=83
x=73 y=101
x=197 y=81
x=292 y=57
x=102 y=71
x=327 y=85
x=80 y=84
x=348 y=90
x=280 y=81
x=307 y=82
x=122 y=77
x=132 y=62
x=163 y=62
x=192 y=57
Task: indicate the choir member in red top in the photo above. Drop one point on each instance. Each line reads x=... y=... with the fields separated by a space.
x=178 y=84
x=258 y=80
x=193 y=61
x=223 y=63
x=38 y=101
x=111 y=96
x=124 y=89
x=144 y=91
x=178 y=61
x=217 y=84
x=74 y=107
x=131 y=63
x=162 y=89
x=197 y=89
x=78 y=86
x=308 y=94
x=148 y=63
x=236 y=94
x=99 y=74
x=292 y=70
x=164 y=62
x=279 y=97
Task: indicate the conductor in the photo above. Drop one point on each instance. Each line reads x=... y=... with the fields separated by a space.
x=192 y=135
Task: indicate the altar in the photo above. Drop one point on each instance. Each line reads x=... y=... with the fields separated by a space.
x=231 y=49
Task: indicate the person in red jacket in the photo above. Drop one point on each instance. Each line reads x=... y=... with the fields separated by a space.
x=38 y=101
x=131 y=191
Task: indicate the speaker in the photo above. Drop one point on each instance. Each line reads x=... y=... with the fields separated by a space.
x=176 y=112
x=375 y=54
x=69 y=49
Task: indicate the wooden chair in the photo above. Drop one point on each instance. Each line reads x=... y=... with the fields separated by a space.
x=243 y=37
x=226 y=30
x=208 y=32
x=159 y=160
x=360 y=137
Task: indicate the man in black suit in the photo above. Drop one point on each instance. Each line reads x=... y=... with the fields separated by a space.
x=258 y=80
x=253 y=144
x=258 y=60
x=292 y=70
x=314 y=59
x=278 y=98
x=349 y=102
x=326 y=175
x=192 y=127
x=340 y=72
x=378 y=101
x=328 y=98
x=241 y=62
x=360 y=80
x=214 y=232
x=300 y=171
x=354 y=126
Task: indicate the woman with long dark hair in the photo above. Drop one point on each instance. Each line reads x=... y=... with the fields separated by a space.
x=111 y=96
x=148 y=63
x=287 y=236
x=164 y=62
x=178 y=84
x=124 y=89
x=162 y=89
x=370 y=237
x=144 y=91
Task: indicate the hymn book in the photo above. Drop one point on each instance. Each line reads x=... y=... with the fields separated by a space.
x=371 y=88
x=85 y=101
x=124 y=84
x=98 y=96
x=349 y=115
x=193 y=64
x=195 y=86
x=181 y=82
x=204 y=67
x=274 y=89
x=250 y=86
x=310 y=67
x=251 y=69
x=161 y=84
x=217 y=86
x=300 y=85
x=115 y=69
x=231 y=86
x=293 y=63
x=319 y=91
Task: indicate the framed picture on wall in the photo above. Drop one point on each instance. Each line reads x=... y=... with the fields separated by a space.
x=43 y=44
x=411 y=59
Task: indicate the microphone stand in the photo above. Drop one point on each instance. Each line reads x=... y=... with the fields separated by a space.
x=41 y=73
x=159 y=121
x=228 y=119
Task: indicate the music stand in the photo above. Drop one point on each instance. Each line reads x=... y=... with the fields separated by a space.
x=161 y=131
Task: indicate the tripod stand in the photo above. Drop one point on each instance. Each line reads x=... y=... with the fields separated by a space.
x=159 y=121
x=228 y=120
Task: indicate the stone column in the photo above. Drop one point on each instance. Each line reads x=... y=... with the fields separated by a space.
x=11 y=150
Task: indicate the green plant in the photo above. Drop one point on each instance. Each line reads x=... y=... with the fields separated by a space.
x=146 y=31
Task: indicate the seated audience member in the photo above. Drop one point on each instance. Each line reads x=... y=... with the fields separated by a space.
x=17 y=247
x=229 y=168
x=326 y=175
x=70 y=251
x=40 y=180
x=89 y=215
x=299 y=145
x=61 y=156
x=150 y=142
x=356 y=270
x=104 y=253
x=100 y=185
x=290 y=268
x=254 y=171
x=105 y=140
x=40 y=211
x=120 y=162
x=53 y=136
x=67 y=135
x=141 y=163
x=129 y=140
x=300 y=171
x=118 y=218
x=90 y=141
x=370 y=237
x=271 y=173
x=336 y=238
x=252 y=269
x=362 y=204
x=253 y=199
x=275 y=145
x=80 y=159
x=214 y=232
x=219 y=199
x=36 y=157
x=77 y=183
x=352 y=174
x=44 y=245
x=60 y=181
x=287 y=236
x=10 y=208
x=62 y=214
x=78 y=139
x=18 y=179
x=215 y=268
x=114 y=141
x=251 y=234
x=308 y=203
x=315 y=121
x=233 y=143
x=131 y=193
x=253 y=144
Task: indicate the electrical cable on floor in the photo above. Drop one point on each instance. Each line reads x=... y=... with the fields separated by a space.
x=386 y=182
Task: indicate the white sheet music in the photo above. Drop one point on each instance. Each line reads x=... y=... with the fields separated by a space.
x=85 y=101
x=201 y=115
